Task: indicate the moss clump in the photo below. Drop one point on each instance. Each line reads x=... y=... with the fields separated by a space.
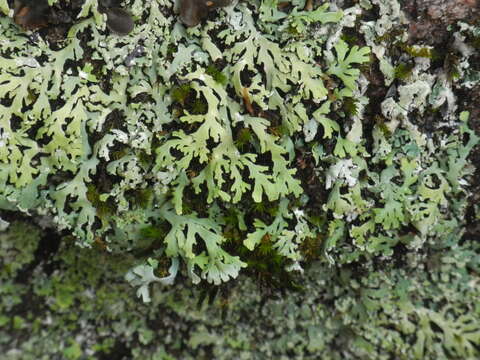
x=217 y=74
x=403 y=71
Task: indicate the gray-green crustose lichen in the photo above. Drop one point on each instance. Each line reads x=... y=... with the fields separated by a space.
x=96 y=134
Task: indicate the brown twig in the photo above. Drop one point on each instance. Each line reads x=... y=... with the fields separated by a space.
x=247 y=102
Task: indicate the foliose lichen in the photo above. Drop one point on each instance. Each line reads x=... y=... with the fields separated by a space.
x=111 y=149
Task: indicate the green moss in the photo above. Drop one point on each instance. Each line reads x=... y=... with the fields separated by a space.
x=244 y=137
x=451 y=65
x=217 y=74
x=424 y=52
x=189 y=99
x=403 y=71
x=351 y=39
x=199 y=107
x=104 y=208
x=146 y=159
x=380 y=122
x=142 y=197
x=153 y=232
x=181 y=93
x=350 y=107
x=391 y=36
